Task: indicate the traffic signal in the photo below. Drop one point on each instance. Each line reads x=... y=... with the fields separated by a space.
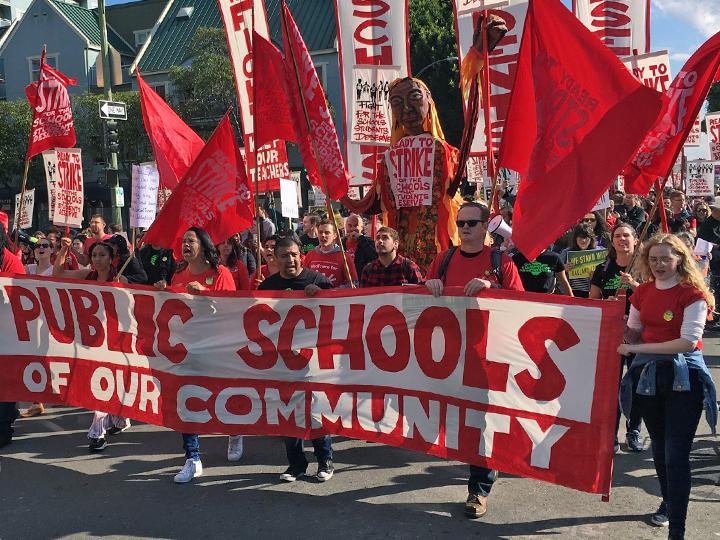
x=113 y=137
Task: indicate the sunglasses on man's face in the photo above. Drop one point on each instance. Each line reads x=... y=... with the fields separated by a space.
x=589 y=220
x=469 y=222
x=42 y=246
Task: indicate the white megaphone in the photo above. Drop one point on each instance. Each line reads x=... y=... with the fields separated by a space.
x=497 y=225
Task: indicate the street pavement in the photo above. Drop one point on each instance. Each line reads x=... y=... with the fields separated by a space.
x=50 y=487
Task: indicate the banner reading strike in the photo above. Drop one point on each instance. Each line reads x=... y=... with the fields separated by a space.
x=68 y=188
x=700 y=178
x=713 y=130
x=622 y=25
x=396 y=366
x=410 y=163
x=374 y=51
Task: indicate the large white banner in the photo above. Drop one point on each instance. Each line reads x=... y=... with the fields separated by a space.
x=238 y=19
x=373 y=41
x=51 y=178
x=27 y=211
x=713 y=130
x=69 y=198
x=143 y=205
x=700 y=178
x=622 y=25
x=503 y=62
x=651 y=69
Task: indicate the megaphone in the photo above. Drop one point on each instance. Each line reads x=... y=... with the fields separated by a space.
x=497 y=225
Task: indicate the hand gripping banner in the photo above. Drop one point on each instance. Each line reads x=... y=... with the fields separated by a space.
x=520 y=382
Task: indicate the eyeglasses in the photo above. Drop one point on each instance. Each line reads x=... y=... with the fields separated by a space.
x=469 y=222
x=42 y=246
x=589 y=220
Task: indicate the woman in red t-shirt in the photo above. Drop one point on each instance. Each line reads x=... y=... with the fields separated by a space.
x=229 y=257
x=199 y=271
x=664 y=330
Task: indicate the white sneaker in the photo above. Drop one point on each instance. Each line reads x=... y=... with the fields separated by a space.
x=191 y=469
x=235 y=447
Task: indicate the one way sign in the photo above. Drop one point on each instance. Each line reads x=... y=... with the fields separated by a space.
x=112 y=110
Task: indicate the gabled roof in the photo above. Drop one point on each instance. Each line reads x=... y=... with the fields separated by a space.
x=132 y=16
x=86 y=22
x=168 y=45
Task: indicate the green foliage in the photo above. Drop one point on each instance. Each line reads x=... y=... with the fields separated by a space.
x=432 y=38
x=15 y=121
x=205 y=88
x=714 y=98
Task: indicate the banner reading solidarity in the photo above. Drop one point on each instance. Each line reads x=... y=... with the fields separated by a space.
x=374 y=51
x=712 y=121
x=69 y=197
x=410 y=163
x=622 y=25
x=700 y=178
x=396 y=366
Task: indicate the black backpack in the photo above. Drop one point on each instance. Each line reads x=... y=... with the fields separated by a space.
x=494 y=258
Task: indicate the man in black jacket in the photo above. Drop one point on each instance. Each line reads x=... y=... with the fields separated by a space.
x=357 y=245
x=631 y=212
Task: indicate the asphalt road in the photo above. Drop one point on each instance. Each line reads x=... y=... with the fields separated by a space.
x=50 y=487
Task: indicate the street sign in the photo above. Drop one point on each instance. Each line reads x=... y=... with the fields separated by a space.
x=112 y=110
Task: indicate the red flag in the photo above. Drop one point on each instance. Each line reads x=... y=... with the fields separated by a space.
x=576 y=115
x=272 y=112
x=174 y=144
x=321 y=130
x=214 y=194
x=663 y=142
x=53 y=124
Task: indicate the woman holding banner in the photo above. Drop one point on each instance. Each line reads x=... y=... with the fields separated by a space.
x=664 y=331
x=101 y=256
x=200 y=271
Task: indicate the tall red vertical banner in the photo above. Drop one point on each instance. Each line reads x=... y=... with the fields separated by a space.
x=503 y=65
x=374 y=40
x=272 y=162
x=622 y=25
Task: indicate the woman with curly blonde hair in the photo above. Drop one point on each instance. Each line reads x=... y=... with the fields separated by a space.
x=664 y=330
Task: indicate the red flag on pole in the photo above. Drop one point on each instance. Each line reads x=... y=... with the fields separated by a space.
x=214 y=194
x=53 y=124
x=575 y=117
x=174 y=143
x=318 y=128
x=272 y=112
x=663 y=142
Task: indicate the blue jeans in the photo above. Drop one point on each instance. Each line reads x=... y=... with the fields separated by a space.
x=481 y=480
x=671 y=419
x=191 y=445
x=635 y=421
x=296 y=454
x=8 y=414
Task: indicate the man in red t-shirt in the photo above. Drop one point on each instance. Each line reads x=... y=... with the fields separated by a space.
x=327 y=258
x=97 y=232
x=471 y=266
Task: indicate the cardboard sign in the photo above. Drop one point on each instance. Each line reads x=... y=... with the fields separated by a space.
x=69 y=188
x=700 y=178
x=51 y=177
x=288 y=198
x=585 y=262
x=371 y=105
x=603 y=202
x=712 y=121
x=410 y=164
x=694 y=135
x=651 y=69
x=144 y=199
x=27 y=211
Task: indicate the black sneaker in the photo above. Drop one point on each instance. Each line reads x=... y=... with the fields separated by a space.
x=115 y=430
x=325 y=470
x=292 y=474
x=97 y=445
x=633 y=441
x=660 y=517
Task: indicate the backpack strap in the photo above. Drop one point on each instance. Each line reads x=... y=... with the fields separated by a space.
x=445 y=263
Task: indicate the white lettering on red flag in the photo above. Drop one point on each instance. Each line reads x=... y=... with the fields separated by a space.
x=410 y=163
x=374 y=51
x=69 y=193
x=395 y=366
x=622 y=25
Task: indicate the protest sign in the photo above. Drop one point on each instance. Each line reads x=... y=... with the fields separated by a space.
x=585 y=262
x=394 y=365
x=693 y=138
x=51 y=178
x=318 y=196
x=69 y=188
x=410 y=165
x=288 y=198
x=603 y=202
x=272 y=165
x=713 y=129
x=651 y=69
x=622 y=25
x=27 y=212
x=143 y=203
x=700 y=178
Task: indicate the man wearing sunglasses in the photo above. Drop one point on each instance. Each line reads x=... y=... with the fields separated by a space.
x=474 y=266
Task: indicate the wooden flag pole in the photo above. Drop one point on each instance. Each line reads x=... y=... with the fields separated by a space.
x=328 y=201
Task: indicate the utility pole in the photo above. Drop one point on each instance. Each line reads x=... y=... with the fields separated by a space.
x=111 y=172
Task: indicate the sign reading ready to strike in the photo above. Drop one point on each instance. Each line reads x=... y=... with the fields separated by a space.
x=68 y=188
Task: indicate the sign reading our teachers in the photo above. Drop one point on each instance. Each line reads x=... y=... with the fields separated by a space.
x=410 y=163
x=584 y=262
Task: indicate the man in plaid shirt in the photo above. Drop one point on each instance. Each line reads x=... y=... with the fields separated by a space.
x=389 y=268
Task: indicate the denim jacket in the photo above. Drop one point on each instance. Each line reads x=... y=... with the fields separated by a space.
x=682 y=364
